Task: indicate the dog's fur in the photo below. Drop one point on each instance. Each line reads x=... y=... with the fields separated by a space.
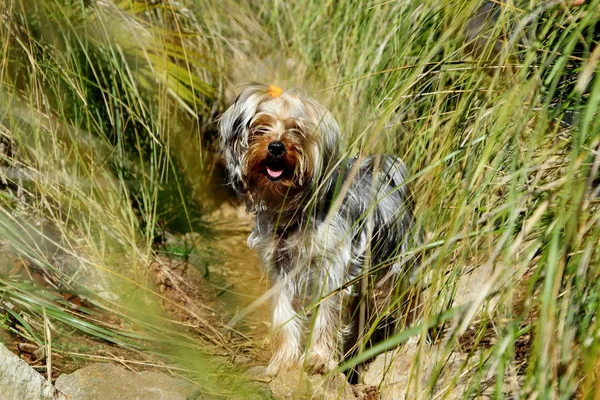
x=321 y=221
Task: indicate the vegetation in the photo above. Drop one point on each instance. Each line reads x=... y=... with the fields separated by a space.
x=107 y=128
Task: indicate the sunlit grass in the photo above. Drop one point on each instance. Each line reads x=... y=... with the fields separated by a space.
x=108 y=111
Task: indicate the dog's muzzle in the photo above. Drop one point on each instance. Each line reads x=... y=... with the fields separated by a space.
x=275 y=163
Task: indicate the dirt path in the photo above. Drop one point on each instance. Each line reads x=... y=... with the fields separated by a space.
x=239 y=280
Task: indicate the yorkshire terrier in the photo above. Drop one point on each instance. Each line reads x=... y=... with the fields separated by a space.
x=325 y=226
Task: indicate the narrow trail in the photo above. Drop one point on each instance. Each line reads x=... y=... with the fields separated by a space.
x=239 y=280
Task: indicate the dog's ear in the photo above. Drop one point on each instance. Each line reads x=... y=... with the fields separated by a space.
x=234 y=131
x=233 y=143
x=329 y=133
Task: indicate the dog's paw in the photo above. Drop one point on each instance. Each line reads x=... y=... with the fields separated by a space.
x=278 y=366
x=319 y=363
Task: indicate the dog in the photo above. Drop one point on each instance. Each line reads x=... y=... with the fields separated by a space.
x=331 y=232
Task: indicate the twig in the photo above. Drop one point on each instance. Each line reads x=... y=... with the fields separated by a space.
x=48 y=345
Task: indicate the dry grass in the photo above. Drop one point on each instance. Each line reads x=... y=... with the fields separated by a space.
x=107 y=138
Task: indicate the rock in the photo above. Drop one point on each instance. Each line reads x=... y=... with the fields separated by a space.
x=331 y=387
x=289 y=385
x=364 y=392
x=410 y=372
x=469 y=287
x=259 y=374
x=297 y=384
x=97 y=280
x=107 y=381
x=240 y=359
x=19 y=381
x=391 y=371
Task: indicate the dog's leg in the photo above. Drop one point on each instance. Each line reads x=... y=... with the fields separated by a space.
x=329 y=261
x=326 y=337
x=286 y=328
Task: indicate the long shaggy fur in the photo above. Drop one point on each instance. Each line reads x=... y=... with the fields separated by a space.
x=321 y=224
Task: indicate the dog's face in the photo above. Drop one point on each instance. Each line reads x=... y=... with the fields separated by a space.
x=276 y=145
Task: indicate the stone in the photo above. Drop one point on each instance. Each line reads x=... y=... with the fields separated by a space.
x=297 y=384
x=334 y=387
x=390 y=372
x=97 y=280
x=410 y=372
x=259 y=374
x=469 y=287
x=19 y=381
x=107 y=381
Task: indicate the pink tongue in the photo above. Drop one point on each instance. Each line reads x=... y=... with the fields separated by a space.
x=274 y=174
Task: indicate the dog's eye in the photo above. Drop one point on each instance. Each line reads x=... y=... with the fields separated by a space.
x=295 y=131
x=259 y=130
x=295 y=127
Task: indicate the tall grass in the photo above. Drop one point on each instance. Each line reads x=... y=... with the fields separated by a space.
x=108 y=112
x=499 y=186
x=102 y=106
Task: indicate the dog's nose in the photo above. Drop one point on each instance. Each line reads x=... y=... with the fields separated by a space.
x=276 y=148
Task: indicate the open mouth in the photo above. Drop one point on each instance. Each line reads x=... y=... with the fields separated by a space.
x=275 y=170
x=274 y=173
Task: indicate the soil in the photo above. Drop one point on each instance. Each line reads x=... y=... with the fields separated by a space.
x=239 y=281
x=200 y=299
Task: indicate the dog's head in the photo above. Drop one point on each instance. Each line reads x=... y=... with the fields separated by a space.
x=276 y=145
